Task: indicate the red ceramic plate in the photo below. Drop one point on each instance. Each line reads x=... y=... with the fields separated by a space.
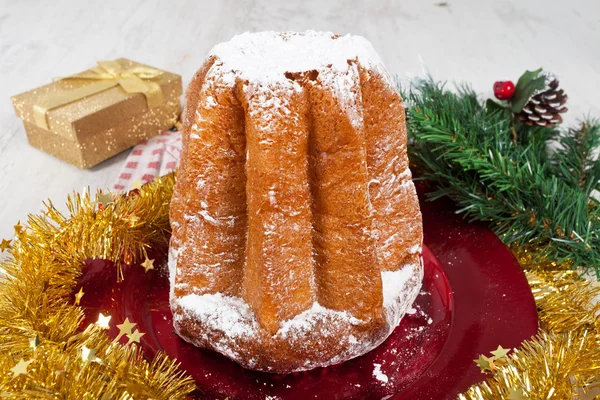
x=474 y=298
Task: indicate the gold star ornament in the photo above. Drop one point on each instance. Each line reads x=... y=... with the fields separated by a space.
x=78 y=296
x=18 y=228
x=4 y=245
x=148 y=264
x=103 y=321
x=497 y=360
x=484 y=363
x=88 y=354
x=125 y=328
x=105 y=199
x=20 y=368
x=135 y=337
x=500 y=352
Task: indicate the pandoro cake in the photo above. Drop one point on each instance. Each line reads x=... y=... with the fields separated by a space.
x=296 y=226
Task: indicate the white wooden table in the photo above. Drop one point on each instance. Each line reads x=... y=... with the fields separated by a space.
x=479 y=41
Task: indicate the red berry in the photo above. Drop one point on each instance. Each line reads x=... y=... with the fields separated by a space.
x=504 y=90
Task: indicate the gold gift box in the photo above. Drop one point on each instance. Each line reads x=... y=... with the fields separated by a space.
x=89 y=117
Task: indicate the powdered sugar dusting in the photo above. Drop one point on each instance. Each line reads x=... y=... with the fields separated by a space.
x=345 y=86
x=230 y=315
x=415 y=249
x=306 y=321
x=172 y=263
x=265 y=60
x=394 y=302
x=378 y=374
x=265 y=57
x=233 y=319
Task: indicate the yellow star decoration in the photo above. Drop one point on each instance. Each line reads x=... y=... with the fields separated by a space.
x=500 y=352
x=18 y=228
x=136 y=184
x=125 y=329
x=490 y=364
x=4 y=245
x=148 y=264
x=34 y=342
x=78 y=296
x=135 y=336
x=484 y=363
x=105 y=199
x=20 y=368
x=88 y=354
x=103 y=321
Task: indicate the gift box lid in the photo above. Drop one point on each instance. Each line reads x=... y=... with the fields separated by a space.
x=96 y=112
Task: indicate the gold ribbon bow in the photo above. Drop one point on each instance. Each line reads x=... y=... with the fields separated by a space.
x=108 y=74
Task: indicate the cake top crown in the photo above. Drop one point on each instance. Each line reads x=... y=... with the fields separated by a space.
x=266 y=56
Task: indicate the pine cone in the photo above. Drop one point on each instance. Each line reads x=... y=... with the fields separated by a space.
x=544 y=108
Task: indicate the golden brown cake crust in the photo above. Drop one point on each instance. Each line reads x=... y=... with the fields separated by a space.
x=296 y=226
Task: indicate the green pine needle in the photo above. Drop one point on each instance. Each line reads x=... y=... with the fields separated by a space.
x=503 y=172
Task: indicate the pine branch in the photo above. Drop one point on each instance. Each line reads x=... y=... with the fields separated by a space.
x=574 y=160
x=470 y=152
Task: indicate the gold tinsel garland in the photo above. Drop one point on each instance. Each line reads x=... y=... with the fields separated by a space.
x=563 y=360
x=44 y=354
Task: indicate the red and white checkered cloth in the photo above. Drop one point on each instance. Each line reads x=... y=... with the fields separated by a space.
x=151 y=158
